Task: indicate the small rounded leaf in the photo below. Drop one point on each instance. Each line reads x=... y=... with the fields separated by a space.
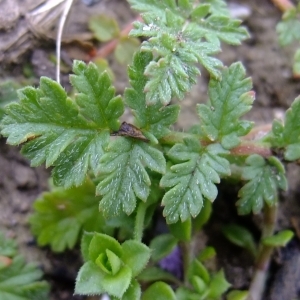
x=125 y=49
x=280 y=239
x=237 y=295
x=100 y=243
x=159 y=291
x=162 y=245
x=240 y=236
x=135 y=255
x=104 y=28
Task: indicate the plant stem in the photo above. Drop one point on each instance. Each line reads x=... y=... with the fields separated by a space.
x=109 y=47
x=283 y=5
x=176 y=137
x=246 y=147
x=139 y=221
x=186 y=259
x=264 y=255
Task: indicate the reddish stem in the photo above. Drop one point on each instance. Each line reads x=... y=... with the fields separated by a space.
x=283 y=5
x=258 y=132
x=109 y=47
x=248 y=148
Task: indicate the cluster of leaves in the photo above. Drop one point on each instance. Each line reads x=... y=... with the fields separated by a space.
x=202 y=284
x=18 y=279
x=117 y=269
x=132 y=168
x=61 y=216
x=242 y=237
x=74 y=137
x=286 y=135
x=181 y=35
x=289 y=31
x=110 y=267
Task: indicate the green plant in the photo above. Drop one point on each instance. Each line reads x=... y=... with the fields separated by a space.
x=134 y=168
x=106 y=29
x=288 y=32
x=18 y=279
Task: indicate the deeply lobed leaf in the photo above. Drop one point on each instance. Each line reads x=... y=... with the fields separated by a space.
x=217 y=7
x=264 y=178
x=159 y=7
x=154 y=121
x=62 y=214
x=229 y=99
x=123 y=174
x=192 y=178
x=69 y=135
x=287 y=135
x=178 y=45
x=96 y=96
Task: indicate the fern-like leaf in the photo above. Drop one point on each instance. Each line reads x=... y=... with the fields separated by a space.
x=264 y=178
x=157 y=7
x=229 y=99
x=179 y=45
x=183 y=8
x=96 y=97
x=287 y=135
x=217 y=7
x=154 y=121
x=69 y=135
x=62 y=214
x=124 y=177
x=192 y=178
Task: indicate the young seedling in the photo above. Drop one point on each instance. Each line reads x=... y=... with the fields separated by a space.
x=133 y=169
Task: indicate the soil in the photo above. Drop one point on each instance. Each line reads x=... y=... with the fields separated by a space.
x=265 y=61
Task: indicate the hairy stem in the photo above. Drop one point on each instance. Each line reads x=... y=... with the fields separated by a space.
x=283 y=5
x=264 y=255
x=246 y=147
x=139 y=221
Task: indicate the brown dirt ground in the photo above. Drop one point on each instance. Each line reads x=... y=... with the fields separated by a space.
x=270 y=67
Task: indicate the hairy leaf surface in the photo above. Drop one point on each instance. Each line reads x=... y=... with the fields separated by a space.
x=62 y=214
x=192 y=178
x=69 y=135
x=124 y=177
x=287 y=135
x=217 y=7
x=229 y=99
x=178 y=45
x=157 y=7
x=155 y=120
x=264 y=178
